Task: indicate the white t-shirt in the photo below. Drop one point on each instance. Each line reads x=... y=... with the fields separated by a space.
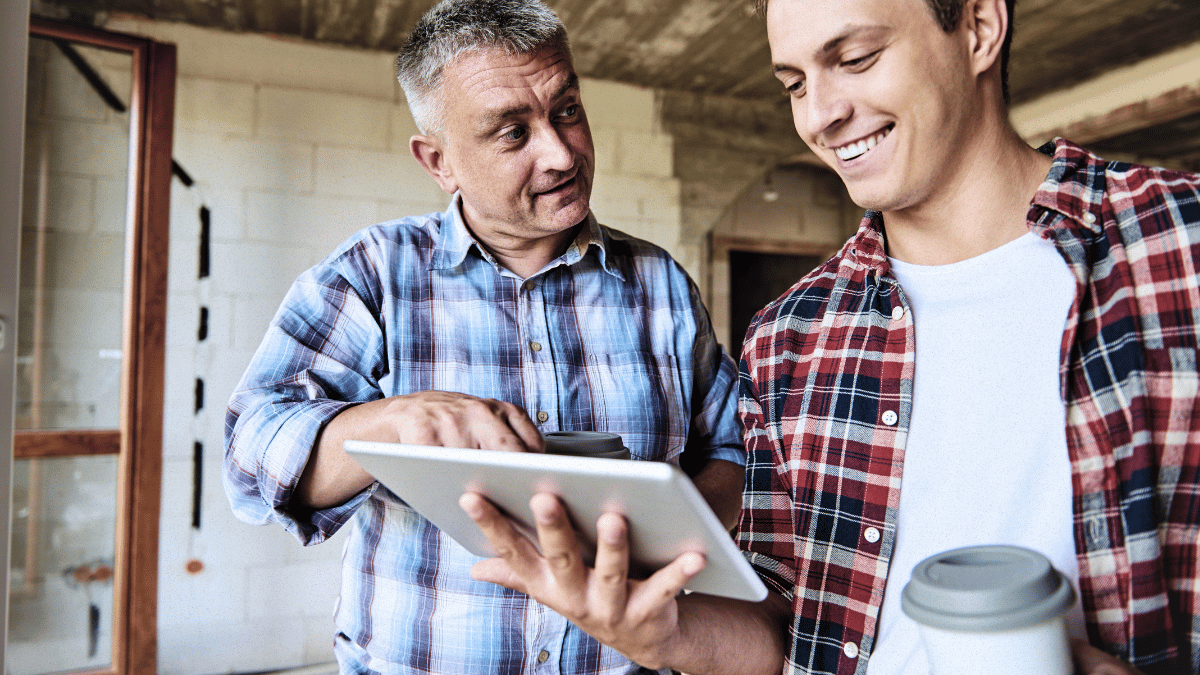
x=986 y=457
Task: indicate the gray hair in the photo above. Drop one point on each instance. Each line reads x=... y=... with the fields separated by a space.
x=454 y=27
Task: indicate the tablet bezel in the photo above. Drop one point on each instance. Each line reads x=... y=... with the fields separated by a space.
x=666 y=513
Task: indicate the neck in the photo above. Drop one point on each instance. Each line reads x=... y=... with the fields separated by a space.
x=982 y=206
x=526 y=257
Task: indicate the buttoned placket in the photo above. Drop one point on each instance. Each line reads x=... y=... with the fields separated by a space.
x=537 y=363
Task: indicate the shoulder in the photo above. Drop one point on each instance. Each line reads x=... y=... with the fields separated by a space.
x=640 y=261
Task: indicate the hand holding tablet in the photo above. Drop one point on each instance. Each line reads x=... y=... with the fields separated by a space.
x=663 y=512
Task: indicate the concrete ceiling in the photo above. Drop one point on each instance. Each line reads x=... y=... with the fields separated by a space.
x=701 y=46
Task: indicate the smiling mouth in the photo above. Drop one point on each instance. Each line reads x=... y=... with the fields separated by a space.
x=857 y=149
x=560 y=187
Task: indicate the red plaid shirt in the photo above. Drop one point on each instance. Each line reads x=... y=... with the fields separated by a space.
x=827 y=378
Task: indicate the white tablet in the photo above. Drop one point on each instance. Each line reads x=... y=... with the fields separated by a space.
x=666 y=514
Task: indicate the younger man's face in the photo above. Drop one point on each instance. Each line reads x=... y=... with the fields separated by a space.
x=878 y=91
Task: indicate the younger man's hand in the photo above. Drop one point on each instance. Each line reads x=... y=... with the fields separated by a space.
x=1092 y=661
x=638 y=618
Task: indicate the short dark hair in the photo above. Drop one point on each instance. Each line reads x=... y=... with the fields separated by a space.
x=454 y=27
x=948 y=13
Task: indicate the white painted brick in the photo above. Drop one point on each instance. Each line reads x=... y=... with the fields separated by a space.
x=363 y=173
x=618 y=105
x=251 y=316
x=644 y=154
x=322 y=223
x=89 y=148
x=255 y=270
x=70 y=207
x=318 y=641
x=391 y=210
x=260 y=59
x=183 y=321
x=403 y=128
x=324 y=117
x=214 y=106
x=219 y=645
x=293 y=590
x=227 y=163
x=110 y=213
x=608 y=150
x=629 y=197
x=68 y=95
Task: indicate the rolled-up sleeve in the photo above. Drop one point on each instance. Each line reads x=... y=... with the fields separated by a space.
x=322 y=353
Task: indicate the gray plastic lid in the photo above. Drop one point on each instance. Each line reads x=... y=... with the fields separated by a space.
x=586 y=444
x=986 y=588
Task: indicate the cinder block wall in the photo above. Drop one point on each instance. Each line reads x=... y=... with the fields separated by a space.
x=293 y=147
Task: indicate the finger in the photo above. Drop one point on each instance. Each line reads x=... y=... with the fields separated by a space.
x=664 y=585
x=560 y=545
x=489 y=427
x=517 y=552
x=497 y=571
x=607 y=592
x=524 y=428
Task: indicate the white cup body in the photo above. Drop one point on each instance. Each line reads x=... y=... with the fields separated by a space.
x=1040 y=649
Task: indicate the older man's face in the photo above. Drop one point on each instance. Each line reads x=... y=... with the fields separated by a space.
x=516 y=143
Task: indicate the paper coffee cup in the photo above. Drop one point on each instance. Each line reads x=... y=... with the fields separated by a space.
x=987 y=610
x=586 y=444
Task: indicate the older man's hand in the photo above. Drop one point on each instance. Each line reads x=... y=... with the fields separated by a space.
x=638 y=618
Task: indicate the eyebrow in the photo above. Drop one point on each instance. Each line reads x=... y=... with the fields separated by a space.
x=497 y=117
x=834 y=42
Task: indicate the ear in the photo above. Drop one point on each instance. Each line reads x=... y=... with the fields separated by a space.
x=986 y=22
x=430 y=154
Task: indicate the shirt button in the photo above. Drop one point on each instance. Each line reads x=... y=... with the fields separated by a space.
x=890 y=418
x=535 y=346
x=543 y=416
x=1089 y=217
x=543 y=655
x=897 y=313
x=871 y=534
x=850 y=650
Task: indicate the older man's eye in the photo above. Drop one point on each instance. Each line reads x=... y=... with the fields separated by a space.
x=514 y=134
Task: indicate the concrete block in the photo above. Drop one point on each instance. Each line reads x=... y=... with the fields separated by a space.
x=255 y=270
x=293 y=590
x=230 y=163
x=251 y=316
x=183 y=321
x=110 y=209
x=618 y=105
x=363 y=173
x=321 y=223
x=323 y=117
x=608 y=150
x=644 y=154
x=68 y=94
x=89 y=148
x=263 y=59
x=70 y=206
x=386 y=210
x=214 y=106
x=403 y=127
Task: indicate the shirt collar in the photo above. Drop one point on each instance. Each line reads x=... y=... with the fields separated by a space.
x=1074 y=188
x=456 y=241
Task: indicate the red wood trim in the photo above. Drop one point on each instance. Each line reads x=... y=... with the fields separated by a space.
x=94 y=37
x=75 y=443
x=723 y=243
x=147 y=394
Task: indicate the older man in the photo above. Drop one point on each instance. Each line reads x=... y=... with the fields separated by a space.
x=1004 y=353
x=447 y=329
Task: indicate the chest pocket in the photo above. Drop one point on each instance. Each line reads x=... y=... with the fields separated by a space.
x=641 y=397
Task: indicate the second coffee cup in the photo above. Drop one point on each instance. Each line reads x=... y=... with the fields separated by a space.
x=991 y=610
x=586 y=444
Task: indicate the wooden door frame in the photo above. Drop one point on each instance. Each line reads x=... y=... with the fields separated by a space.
x=139 y=447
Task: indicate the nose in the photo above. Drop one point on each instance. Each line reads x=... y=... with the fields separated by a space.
x=827 y=106
x=554 y=153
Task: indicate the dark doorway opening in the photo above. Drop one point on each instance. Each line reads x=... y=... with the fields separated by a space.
x=757 y=279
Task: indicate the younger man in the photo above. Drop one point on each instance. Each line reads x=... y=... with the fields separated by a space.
x=1004 y=353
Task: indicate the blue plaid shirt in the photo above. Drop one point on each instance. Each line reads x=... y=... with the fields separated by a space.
x=416 y=304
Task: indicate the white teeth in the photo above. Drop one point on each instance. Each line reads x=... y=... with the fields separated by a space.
x=852 y=150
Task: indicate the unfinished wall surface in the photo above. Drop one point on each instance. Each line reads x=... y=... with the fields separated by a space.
x=293 y=147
